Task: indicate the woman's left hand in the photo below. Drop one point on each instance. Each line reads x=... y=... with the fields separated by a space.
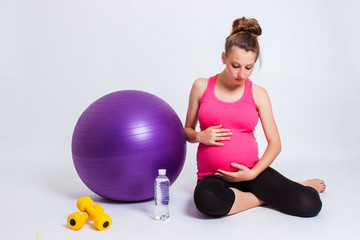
x=242 y=174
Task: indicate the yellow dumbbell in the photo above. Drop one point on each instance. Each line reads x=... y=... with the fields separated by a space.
x=102 y=221
x=77 y=220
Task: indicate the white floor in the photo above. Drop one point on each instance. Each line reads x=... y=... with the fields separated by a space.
x=39 y=192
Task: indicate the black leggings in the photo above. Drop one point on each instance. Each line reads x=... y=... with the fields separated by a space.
x=214 y=197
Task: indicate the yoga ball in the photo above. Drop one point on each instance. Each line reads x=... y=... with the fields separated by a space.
x=122 y=139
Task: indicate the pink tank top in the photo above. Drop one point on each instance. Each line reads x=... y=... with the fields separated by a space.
x=240 y=117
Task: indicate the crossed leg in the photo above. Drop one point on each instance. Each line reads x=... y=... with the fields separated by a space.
x=219 y=198
x=295 y=198
x=247 y=200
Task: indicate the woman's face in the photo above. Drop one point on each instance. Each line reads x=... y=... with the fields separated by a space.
x=239 y=64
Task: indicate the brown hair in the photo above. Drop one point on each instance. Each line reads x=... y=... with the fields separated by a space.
x=244 y=35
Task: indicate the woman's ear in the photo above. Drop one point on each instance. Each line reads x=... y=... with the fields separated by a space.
x=223 y=58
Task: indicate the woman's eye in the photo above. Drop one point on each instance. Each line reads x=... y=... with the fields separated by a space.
x=248 y=68
x=234 y=66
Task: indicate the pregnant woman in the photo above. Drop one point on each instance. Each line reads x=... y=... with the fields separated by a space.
x=231 y=176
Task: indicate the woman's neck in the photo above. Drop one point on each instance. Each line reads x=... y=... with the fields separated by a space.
x=225 y=82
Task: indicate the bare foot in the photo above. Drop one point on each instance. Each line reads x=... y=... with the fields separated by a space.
x=316 y=183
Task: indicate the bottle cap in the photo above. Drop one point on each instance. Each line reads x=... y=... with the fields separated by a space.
x=162 y=171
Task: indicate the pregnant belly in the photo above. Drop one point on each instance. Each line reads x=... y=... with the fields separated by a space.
x=241 y=149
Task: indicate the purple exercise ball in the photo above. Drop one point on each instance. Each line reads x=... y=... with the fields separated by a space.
x=122 y=139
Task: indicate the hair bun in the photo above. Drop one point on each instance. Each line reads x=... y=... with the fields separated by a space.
x=248 y=25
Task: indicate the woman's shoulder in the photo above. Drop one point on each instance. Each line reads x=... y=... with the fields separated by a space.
x=199 y=86
x=260 y=94
x=257 y=89
x=201 y=83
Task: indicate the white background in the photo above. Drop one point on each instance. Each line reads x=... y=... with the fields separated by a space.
x=57 y=57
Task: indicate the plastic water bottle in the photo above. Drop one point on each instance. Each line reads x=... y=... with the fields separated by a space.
x=162 y=186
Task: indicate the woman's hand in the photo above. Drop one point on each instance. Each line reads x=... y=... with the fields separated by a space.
x=212 y=135
x=242 y=174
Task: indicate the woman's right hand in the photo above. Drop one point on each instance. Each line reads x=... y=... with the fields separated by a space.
x=214 y=134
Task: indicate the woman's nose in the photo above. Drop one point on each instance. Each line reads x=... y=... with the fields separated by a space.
x=241 y=74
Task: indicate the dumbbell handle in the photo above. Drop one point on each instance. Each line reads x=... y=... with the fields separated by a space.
x=95 y=210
